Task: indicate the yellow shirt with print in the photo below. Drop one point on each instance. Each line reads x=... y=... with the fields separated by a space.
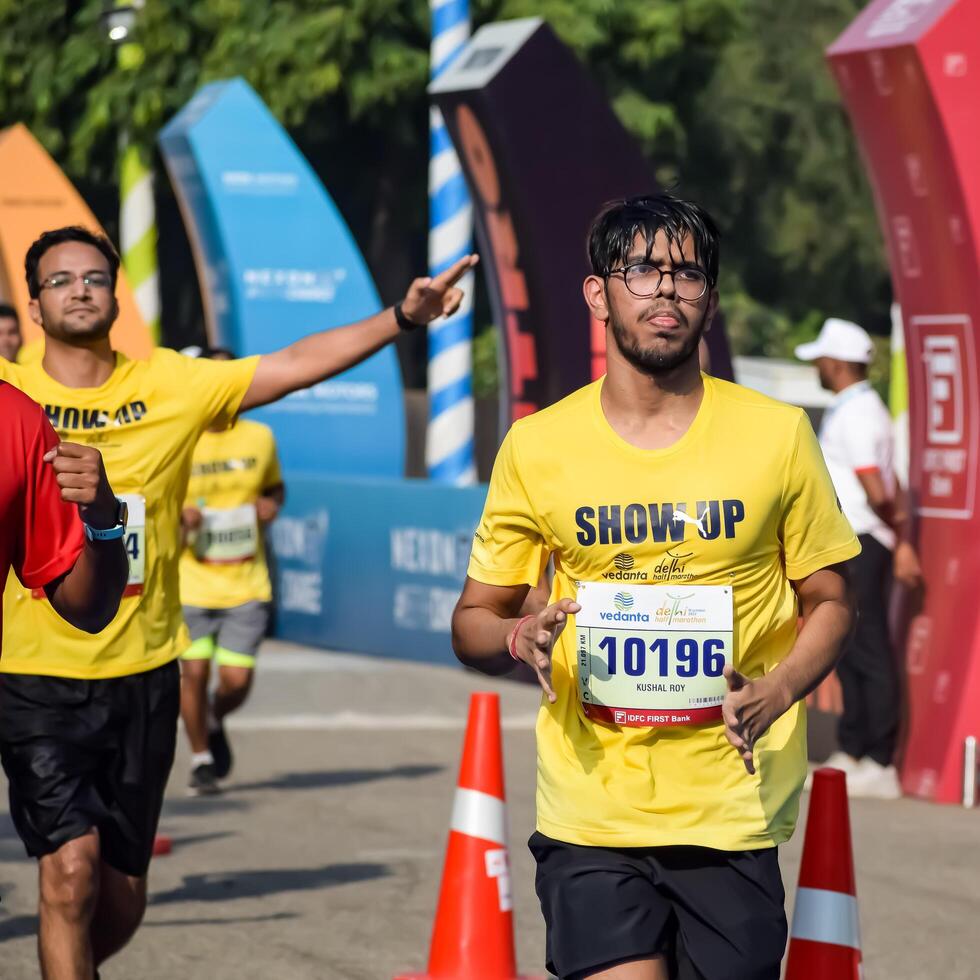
x=561 y=484
x=230 y=469
x=145 y=420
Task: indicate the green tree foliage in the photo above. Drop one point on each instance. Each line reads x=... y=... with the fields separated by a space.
x=730 y=99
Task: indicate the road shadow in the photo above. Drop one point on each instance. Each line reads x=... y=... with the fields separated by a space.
x=11 y=848
x=227 y=886
x=232 y=920
x=195 y=805
x=335 y=777
x=186 y=840
x=17 y=927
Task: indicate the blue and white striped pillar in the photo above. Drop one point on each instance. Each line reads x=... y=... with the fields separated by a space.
x=449 y=447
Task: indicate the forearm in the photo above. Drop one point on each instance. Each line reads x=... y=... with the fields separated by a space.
x=891 y=506
x=88 y=595
x=480 y=639
x=816 y=651
x=318 y=357
x=894 y=515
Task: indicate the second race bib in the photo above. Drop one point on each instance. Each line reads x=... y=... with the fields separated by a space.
x=135 y=542
x=227 y=536
x=653 y=655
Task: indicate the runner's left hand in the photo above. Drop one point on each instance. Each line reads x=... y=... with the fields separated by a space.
x=266 y=509
x=749 y=708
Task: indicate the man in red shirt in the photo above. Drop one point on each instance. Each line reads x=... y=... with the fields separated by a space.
x=76 y=555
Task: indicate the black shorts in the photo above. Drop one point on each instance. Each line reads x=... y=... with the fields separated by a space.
x=715 y=915
x=80 y=754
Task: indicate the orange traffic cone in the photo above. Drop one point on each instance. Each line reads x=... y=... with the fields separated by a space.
x=473 y=936
x=825 y=940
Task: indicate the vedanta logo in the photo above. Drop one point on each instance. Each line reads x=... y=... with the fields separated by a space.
x=623 y=601
x=624 y=617
x=624 y=561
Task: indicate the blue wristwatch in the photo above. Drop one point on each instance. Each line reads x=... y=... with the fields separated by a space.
x=109 y=533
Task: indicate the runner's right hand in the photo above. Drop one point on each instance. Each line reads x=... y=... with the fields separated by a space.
x=81 y=476
x=190 y=518
x=536 y=639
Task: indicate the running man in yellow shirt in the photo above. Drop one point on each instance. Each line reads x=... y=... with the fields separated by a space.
x=690 y=521
x=87 y=773
x=235 y=492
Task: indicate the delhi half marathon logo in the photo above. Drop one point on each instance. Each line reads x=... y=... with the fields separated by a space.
x=624 y=562
x=623 y=601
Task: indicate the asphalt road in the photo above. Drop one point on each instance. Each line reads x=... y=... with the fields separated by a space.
x=323 y=857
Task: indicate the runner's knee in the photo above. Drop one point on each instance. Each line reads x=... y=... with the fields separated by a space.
x=70 y=878
x=235 y=679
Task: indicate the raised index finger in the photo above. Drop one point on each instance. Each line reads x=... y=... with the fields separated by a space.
x=452 y=275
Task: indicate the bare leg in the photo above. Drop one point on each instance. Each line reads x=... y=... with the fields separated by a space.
x=234 y=683
x=194 y=675
x=118 y=913
x=69 y=891
x=650 y=969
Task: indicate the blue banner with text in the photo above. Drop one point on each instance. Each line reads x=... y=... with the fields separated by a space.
x=276 y=262
x=373 y=566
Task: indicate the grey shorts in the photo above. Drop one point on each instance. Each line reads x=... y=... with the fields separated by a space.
x=231 y=636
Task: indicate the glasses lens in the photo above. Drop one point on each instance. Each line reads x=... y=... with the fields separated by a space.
x=642 y=280
x=59 y=281
x=97 y=280
x=690 y=283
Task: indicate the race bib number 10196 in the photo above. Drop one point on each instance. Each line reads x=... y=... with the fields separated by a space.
x=653 y=655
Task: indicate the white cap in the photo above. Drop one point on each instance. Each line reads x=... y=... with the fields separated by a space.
x=841 y=340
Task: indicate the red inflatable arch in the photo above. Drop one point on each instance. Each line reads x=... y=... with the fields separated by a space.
x=909 y=72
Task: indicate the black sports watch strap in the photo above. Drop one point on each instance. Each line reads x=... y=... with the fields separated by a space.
x=403 y=321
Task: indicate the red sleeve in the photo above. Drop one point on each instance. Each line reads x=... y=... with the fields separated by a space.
x=51 y=536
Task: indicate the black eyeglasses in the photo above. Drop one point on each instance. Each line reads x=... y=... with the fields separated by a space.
x=643 y=280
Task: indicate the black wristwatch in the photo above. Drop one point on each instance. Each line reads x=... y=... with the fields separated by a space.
x=403 y=321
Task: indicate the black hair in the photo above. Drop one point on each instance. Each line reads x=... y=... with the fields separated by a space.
x=6 y=310
x=219 y=352
x=615 y=227
x=72 y=233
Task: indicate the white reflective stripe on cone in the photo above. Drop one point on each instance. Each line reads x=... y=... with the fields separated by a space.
x=479 y=815
x=826 y=917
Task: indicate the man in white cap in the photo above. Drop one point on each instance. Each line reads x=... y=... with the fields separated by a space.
x=858 y=443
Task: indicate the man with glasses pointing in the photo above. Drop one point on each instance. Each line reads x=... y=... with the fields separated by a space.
x=88 y=724
x=671 y=735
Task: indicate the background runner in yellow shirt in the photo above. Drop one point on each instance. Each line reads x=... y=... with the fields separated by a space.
x=87 y=773
x=235 y=491
x=690 y=521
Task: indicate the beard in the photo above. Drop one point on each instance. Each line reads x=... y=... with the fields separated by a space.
x=70 y=330
x=648 y=360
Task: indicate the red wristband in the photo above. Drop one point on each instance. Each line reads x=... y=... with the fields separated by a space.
x=512 y=642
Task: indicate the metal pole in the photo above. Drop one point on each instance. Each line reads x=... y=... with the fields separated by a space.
x=970 y=771
x=137 y=211
x=449 y=447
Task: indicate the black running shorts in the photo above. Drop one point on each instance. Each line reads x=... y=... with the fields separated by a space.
x=89 y=753
x=715 y=915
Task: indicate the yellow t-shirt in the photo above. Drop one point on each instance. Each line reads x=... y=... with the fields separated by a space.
x=145 y=420
x=563 y=483
x=229 y=472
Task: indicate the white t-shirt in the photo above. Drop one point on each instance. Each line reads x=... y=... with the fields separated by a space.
x=856 y=434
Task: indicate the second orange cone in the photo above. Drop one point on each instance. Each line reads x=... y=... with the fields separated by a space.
x=473 y=936
x=825 y=941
